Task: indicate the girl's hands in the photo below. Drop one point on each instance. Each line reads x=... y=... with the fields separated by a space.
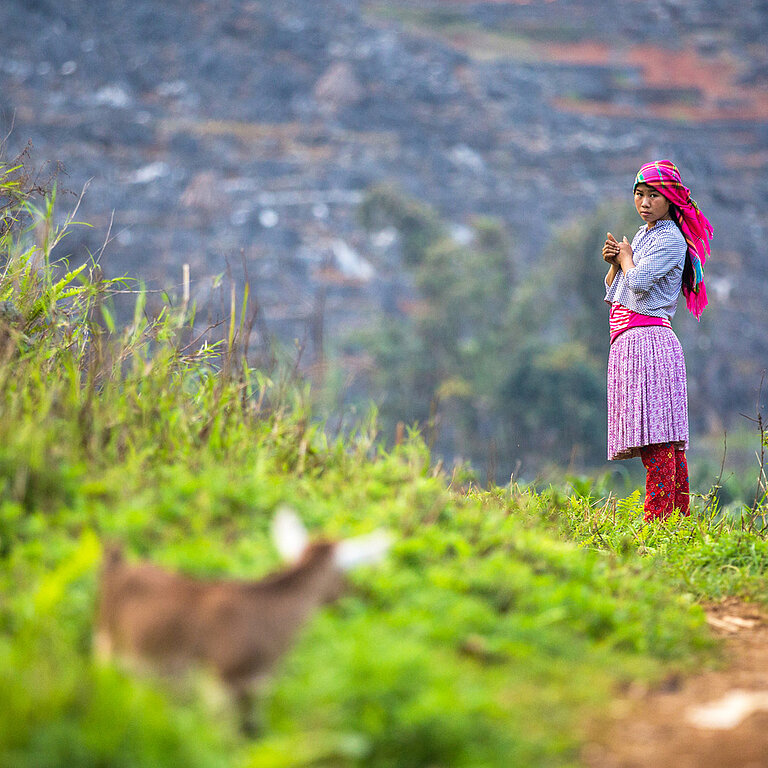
x=619 y=254
x=624 y=259
x=611 y=250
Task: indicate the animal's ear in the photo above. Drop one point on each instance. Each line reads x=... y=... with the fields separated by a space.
x=289 y=534
x=362 y=550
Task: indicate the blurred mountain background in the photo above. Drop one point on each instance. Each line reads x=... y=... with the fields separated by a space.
x=415 y=192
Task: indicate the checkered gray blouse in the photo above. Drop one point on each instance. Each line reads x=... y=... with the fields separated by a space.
x=653 y=286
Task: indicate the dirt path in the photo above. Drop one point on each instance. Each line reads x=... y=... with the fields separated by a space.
x=718 y=719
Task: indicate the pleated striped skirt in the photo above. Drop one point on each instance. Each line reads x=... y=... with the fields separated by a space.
x=647 y=392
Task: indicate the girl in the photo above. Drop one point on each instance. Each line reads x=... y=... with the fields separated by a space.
x=647 y=395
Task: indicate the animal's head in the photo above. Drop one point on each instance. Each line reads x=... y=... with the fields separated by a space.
x=292 y=542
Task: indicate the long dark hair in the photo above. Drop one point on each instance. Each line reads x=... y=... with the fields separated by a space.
x=688 y=273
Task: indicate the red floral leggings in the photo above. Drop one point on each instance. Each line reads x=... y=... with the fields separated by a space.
x=666 y=482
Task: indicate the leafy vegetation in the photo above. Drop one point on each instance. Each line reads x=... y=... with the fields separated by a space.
x=502 y=621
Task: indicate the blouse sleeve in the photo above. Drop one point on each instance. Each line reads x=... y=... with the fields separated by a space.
x=666 y=253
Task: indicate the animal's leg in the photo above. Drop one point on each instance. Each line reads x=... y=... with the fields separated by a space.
x=248 y=697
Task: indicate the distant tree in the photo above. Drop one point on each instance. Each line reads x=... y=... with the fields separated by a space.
x=436 y=360
x=417 y=224
x=552 y=405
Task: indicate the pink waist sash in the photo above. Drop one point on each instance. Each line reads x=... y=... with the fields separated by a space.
x=622 y=318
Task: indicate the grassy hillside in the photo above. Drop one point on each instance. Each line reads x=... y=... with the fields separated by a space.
x=501 y=623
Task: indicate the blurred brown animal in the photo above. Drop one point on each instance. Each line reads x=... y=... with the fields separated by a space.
x=167 y=622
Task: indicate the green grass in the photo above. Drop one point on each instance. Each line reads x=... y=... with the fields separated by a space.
x=501 y=623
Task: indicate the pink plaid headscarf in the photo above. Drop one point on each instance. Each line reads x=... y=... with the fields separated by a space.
x=663 y=176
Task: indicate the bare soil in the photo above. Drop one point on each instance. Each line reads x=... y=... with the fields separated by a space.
x=716 y=719
x=718 y=80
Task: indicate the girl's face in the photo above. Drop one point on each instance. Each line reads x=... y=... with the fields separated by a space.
x=651 y=204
